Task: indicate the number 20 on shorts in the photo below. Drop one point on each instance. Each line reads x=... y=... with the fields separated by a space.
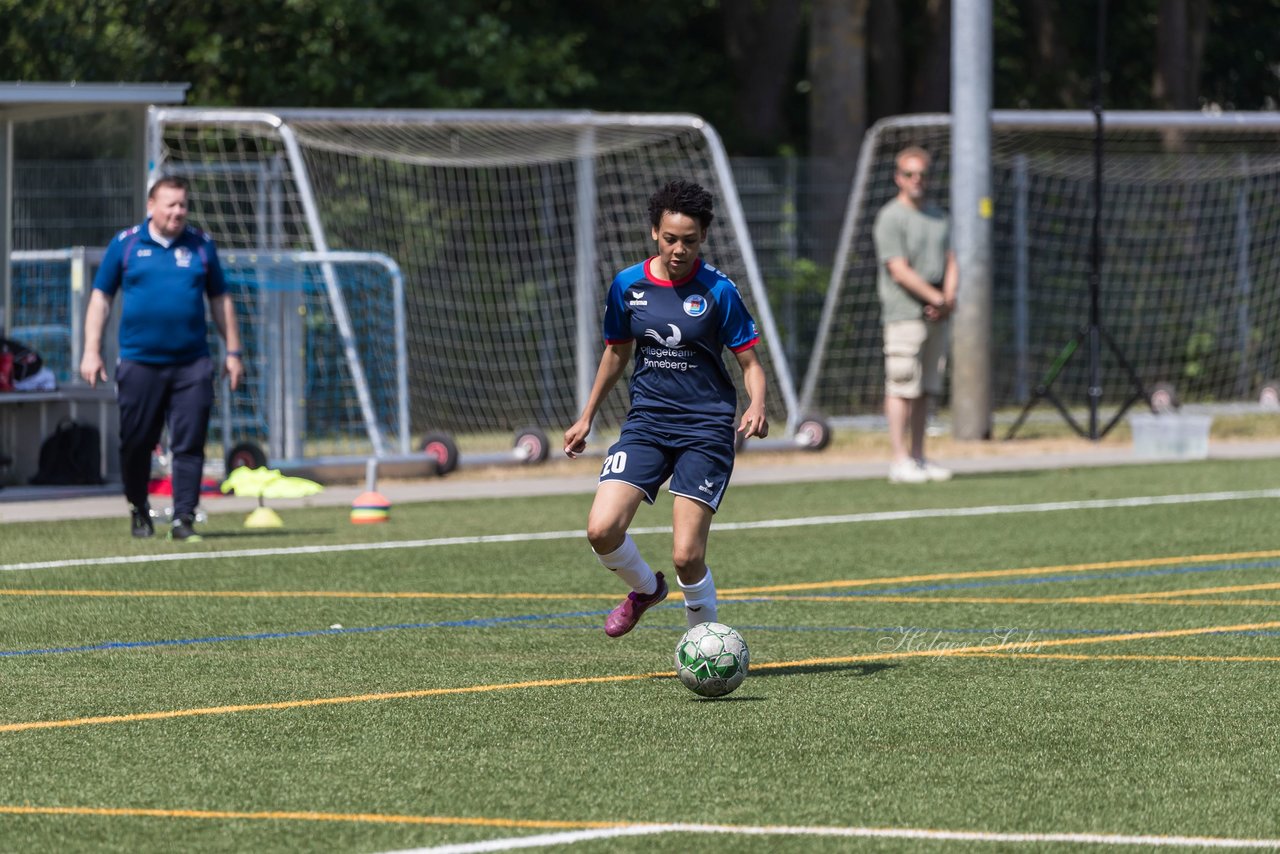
x=615 y=463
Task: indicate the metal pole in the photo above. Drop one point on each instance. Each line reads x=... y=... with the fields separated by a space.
x=6 y=226
x=1021 y=282
x=1244 y=285
x=971 y=210
x=337 y=303
x=589 y=302
x=1095 y=246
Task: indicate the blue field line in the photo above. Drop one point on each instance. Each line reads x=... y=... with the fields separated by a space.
x=443 y=624
x=529 y=619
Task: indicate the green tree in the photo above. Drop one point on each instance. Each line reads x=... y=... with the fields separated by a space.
x=304 y=53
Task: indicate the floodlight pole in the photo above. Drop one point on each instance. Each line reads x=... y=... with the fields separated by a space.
x=1092 y=333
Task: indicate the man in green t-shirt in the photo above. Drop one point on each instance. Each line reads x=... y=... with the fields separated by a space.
x=917 y=287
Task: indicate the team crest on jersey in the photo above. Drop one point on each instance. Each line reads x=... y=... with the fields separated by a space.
x=695 y=306
x=182 y=255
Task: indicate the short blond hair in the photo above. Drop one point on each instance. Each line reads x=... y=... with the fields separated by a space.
x=912 y=151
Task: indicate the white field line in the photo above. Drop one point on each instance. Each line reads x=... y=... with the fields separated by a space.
x=569 y=837
x=805 y=521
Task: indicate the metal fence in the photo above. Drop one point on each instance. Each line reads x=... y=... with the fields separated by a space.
x=61 y=203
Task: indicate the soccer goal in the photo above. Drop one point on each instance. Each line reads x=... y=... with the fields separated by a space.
x=507 y=226
x=1191 y=262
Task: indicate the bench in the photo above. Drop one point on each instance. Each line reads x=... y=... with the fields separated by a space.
x=27 y=418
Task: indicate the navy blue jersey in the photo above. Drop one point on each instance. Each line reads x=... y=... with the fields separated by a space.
x=162 y=320
x=679 y=377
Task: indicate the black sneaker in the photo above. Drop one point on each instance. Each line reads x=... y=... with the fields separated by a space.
x=140 y=521
x=184 y=530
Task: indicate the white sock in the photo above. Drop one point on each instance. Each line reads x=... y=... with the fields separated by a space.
x=699 y=600
x=630 y=567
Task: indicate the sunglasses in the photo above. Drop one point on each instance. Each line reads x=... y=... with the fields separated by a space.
x=909 y=175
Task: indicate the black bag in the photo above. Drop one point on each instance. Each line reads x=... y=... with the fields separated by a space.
x=72 y=455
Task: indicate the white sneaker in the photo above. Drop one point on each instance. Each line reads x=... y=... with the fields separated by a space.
x=907 y=471
x=934 y=472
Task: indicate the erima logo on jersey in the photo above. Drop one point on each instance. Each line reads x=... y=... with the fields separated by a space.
x=671 y=341
x=707 y=486
x=637 y=298
x=695 y=305
x=144 y=253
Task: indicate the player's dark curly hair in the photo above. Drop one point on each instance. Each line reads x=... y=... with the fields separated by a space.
x=683 y=197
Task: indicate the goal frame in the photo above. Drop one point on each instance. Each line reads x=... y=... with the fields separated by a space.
x=859 y=216
x=586 y=284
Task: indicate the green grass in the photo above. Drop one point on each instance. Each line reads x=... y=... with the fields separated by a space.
x=1169 y=735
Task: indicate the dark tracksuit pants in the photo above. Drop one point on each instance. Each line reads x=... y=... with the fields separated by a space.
x=149 y=395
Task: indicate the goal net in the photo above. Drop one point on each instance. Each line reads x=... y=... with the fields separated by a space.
x=323 y=339
x=507 y=227
x=1190 y=276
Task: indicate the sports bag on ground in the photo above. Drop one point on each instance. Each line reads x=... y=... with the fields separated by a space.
x=72 y=455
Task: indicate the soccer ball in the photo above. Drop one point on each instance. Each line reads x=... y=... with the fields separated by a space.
x=711 y=659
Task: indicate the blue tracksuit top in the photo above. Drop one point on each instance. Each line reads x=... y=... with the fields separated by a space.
x=162 y=320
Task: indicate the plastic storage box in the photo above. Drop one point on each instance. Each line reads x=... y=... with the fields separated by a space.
x=1183 y=437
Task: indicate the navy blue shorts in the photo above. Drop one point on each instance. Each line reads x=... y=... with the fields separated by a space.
x=699 y=467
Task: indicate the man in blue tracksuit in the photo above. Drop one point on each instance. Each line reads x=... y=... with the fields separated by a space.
x=166 y=270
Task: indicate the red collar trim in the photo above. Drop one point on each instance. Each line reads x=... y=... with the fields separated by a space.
x=675 y=283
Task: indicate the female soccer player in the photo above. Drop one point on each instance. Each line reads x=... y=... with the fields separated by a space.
x=681 y=312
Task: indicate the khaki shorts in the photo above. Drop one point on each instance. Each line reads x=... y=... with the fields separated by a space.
x=915 y=357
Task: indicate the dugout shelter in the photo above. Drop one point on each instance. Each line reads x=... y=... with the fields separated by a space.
x=27 y=417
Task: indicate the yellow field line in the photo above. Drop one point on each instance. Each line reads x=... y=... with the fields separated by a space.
x=1068 y=656
x=300 y=594
x=322 y=701
x=1007 y=573
x=1004 y=647
x=1190 y=591
x=524 y=824
x=735 y=591
x=553 y=683
x=1265 y=603
x=1132 y=599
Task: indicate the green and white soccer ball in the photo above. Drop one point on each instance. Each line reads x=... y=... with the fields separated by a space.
x=711 y=659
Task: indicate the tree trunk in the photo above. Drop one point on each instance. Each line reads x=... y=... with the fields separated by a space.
x=1048 y=56
x=837 y=114
x=932 y=90
x=887 y=98
x=1180 y=37
x=760 y=38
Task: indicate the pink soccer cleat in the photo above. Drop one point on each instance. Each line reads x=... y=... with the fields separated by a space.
x=623 y=618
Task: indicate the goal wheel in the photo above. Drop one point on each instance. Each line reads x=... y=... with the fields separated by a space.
x=1164 y=398
x=441 y=448
x=245 y=455
x=813 y=433
x=532 y=445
